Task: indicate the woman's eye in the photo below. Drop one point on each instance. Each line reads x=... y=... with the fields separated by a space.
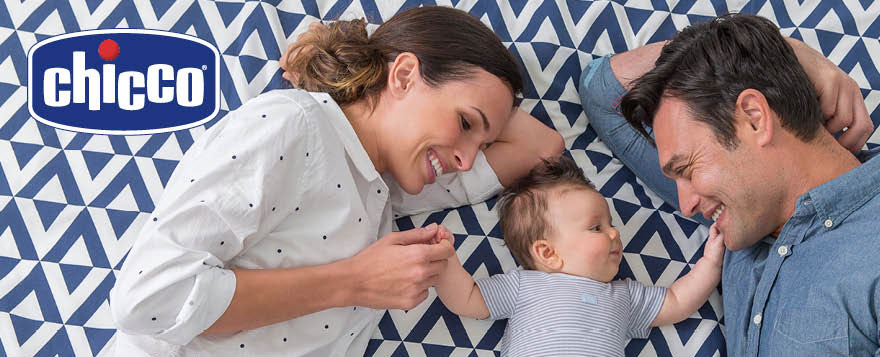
x=464 y=123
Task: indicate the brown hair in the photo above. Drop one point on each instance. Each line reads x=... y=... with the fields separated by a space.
x=523 y=206
x=449 y=43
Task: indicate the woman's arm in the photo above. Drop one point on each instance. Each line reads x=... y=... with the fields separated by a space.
x=393 y=273
x=522 y=144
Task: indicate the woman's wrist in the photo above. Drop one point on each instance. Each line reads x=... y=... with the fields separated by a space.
x=343 y=277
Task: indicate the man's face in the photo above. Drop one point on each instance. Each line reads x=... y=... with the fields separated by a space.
x=735 y=188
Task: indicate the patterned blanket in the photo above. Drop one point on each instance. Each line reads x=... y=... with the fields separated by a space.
x=71 y=204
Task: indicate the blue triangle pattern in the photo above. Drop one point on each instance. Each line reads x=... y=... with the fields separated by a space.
x=48 y=211
x=625 y=209
x=160 y=7
x=637 y=17
x=73 y=275
x=95 y=161
x=6 y=91
x=6 y=265
x=121 y=220
x=289 y=21
x=545 y=52
x=251 y=66
x=687 y=226
x=828 y=40
x=655 y=266
x=98 y=338
x=24 y=152
x=164 y=168
x=228 y=11
x=686 y=329
x=24 y=327
x=437 y=350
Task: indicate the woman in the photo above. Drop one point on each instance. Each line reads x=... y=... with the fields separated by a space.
x=265 y=240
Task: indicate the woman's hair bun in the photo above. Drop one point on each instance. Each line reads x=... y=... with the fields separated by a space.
x=339 y=60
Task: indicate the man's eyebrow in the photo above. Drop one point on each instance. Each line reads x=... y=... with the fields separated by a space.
x=485 y=121
x=671 y=165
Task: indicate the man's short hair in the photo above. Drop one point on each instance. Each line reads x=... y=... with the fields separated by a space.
x=523 y=206
x=708 y=65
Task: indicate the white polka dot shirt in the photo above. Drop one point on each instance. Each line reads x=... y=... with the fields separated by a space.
x=281 y=182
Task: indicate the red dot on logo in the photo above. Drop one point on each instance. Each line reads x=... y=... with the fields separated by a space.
x=108 y=50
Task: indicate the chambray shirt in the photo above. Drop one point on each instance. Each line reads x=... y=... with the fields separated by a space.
x=281 y=182
x=815 y=290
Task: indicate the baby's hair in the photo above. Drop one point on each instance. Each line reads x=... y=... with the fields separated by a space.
x=450 y=44
x=522 y=207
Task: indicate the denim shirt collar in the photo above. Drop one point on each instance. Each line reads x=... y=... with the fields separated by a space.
x=833 y=201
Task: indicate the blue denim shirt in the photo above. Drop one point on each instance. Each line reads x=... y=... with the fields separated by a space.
x=815 y=290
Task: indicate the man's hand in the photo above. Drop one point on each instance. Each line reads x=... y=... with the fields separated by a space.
x=839 y=97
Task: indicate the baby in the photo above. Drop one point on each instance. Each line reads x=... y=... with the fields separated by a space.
x=563 y=302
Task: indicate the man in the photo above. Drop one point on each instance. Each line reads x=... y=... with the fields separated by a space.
x=741 y=134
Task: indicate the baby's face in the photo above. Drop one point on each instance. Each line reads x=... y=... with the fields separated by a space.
x=583 y=235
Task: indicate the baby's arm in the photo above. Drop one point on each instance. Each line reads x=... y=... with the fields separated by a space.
x=456 y=287
x=687 y=294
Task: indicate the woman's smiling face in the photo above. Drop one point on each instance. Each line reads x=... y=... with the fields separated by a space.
x=434 y=130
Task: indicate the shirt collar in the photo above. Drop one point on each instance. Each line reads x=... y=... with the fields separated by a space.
x=350 y=141
x=835 y=200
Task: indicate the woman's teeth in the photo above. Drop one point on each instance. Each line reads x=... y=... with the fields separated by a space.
x=435 y=162
x=717 y=212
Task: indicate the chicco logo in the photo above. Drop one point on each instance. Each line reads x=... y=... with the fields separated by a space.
x=123 y=81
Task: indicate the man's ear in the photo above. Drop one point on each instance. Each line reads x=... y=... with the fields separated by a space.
x=544 y=254
x=753 y=114
x=403 y=74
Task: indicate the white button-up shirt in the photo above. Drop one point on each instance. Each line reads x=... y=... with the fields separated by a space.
x=281 y=182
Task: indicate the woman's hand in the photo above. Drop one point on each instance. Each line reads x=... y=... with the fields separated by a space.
x=839 y=96
x=396 y=271
x=522 y=144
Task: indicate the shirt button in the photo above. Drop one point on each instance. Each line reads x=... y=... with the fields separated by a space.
x=783 y=250
x=757 y=319
x=829 y=223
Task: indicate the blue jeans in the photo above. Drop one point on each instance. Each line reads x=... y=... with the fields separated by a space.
x=600 y=94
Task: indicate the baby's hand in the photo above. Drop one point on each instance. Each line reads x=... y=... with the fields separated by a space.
x=443 y=234
x=714 y=248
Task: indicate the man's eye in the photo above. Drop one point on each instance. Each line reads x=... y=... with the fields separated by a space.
x=464 y=123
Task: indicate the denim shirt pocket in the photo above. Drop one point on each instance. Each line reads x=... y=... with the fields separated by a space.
x=817 y=326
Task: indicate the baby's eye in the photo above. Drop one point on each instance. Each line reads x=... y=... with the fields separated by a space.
x=594 y=228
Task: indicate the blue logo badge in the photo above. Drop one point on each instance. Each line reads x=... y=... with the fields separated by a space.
x=589 y=299
x=123 y=81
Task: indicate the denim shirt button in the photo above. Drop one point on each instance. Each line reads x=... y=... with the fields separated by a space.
x=783 y=250
x=757 y=319
x=829 y=223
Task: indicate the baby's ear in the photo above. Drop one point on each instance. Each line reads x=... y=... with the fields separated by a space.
x=544 y=254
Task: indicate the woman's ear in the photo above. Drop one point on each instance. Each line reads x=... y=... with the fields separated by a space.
x=403 y=73
x=544 y=254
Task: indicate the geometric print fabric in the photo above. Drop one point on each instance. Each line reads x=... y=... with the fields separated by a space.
x=71 y=204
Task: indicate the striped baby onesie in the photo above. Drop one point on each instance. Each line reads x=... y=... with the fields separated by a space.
x=565 y=315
